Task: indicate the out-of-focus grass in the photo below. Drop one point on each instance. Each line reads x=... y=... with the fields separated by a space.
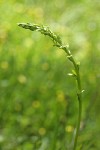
x=37 y=99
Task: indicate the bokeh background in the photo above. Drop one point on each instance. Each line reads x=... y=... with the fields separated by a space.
x=38 y=103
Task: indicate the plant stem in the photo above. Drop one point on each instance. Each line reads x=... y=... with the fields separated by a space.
x=78 y=125
x=79 y=96
x=75 y=73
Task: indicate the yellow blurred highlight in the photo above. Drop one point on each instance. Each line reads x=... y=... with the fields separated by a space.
x=4 y=65
x=36 y=13
x=19 y=8
x=42 y=131
x=69 y=128
x=60 y=96
x=59 y=53
x=92 y=79
x=3 y=34
x=18 y=107
x=22 y=79
x=28 y=42
x=36 y=104
x=24 y=121
x=45 y=66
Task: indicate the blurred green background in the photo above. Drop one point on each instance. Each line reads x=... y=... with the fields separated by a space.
x=38 y=103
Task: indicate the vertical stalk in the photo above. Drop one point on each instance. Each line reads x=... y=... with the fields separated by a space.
x=79 y=96
x=78 y=125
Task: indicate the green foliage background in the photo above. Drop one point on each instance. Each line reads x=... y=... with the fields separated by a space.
x=38 y=104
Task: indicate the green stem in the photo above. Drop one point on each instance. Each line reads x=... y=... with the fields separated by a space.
x=79 y=96
x=78 y=125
